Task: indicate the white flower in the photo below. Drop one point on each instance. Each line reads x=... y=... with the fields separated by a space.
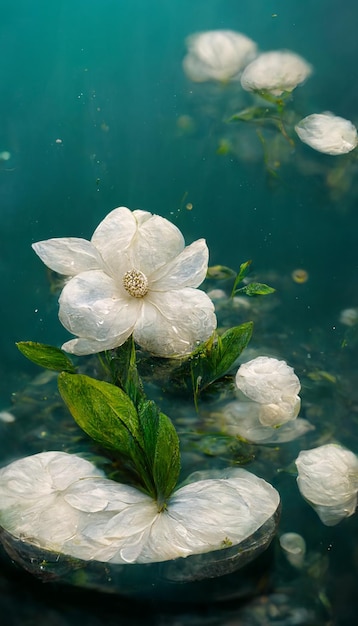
x=32 y=499
x=328 y=480
x=217 y=55
x=243 y=419
x=294 y=547
x=274 y=385
x=134 y=276
x=275 y=72
x=327 y=133
x=108 y=521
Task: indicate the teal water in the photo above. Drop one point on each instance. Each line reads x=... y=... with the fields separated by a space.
x=92 y=106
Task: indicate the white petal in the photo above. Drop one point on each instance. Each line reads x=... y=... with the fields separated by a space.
x=188 y=269
x=91 y=307
x=203 y=514
x=175 y=322
x=113 y=237
x=157 y=242
x=69 y=255
x=137 y=240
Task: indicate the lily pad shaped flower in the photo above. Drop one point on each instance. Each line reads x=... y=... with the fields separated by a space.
x=327 y=133
x=218 y=55
x=275 y=72
x=60 y=502
x=274 y=386
x=134 y=276
x=328 y=480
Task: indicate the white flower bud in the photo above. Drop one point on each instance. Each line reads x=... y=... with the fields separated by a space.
x=275 y=72
x=327 y=133
x=217 y=55
x=294 y=547
x=328 y=480
x=274 y=385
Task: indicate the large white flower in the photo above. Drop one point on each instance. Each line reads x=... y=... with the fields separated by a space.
x=327 y=133
x=109 y=521
x=274 y=386
x=134 y=276
x=328 y=480
x=217 y=55
x=275 y=72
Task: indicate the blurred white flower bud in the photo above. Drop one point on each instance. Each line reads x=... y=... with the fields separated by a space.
x=294 y=547
x=349 y=317
x=328 y=480
x=217 y=55
x=327 y=133
x=275 y=72
x=274 y=385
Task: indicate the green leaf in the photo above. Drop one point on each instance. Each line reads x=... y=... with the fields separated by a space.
x=109 y=417
x=49 y=357
x=252 y=114
x=123 y=368
x=161 y=443
x=213 y=359
x=166 y=465
x=255 y=289
x=145 y=438
x=244 y=268
x=220 y=272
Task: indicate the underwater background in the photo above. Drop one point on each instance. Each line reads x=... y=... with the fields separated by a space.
x=96 y=112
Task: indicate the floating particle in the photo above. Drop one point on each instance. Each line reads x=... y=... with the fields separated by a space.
x=58 y=141
x=5 y=155
x=299 y=276
x=189 y=206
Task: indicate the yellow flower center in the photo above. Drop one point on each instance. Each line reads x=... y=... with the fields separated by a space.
x=135 y=283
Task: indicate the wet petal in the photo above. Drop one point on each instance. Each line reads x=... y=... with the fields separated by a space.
x=157 y=242
x=91 y=307
x=188 y=269
x=69 y=255
x=113 y=237
x=175 y=322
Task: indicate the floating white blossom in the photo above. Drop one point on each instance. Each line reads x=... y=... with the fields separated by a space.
x=294 y=547
x=134 y=276
x=62 y=503
x=217 y=55
x=243 y=419
x=274 y=386
x=7 y=417
x=327 y=133
x=349 y=317
x=328 y=480
x=275 y=72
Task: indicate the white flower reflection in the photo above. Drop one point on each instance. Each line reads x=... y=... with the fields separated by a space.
x=275 y=72
x=217 y=55
x=327 y=133
x=61 y=502
x=242 y=419
x=134 y=276
x=328 y=480
x=274 y=386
